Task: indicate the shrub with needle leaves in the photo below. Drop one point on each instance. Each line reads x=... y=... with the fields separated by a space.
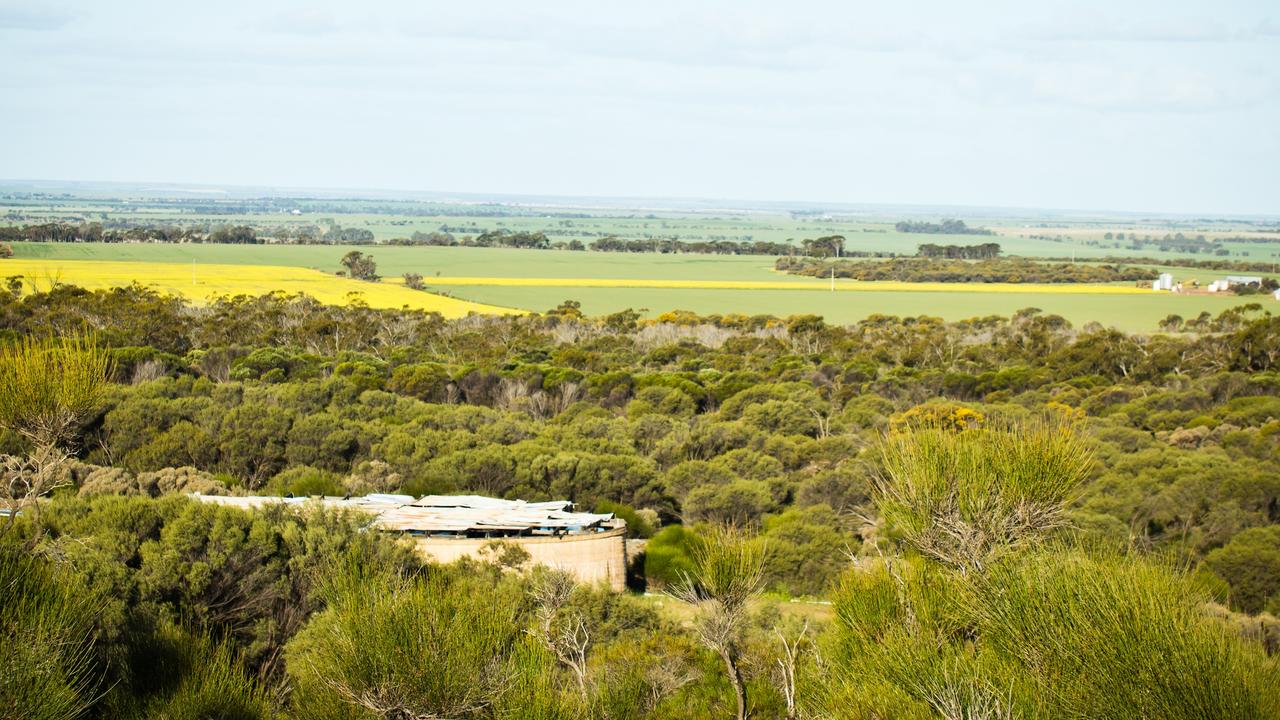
x=964 y=497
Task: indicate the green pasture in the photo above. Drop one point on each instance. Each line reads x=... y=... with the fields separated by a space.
x=1134 y=313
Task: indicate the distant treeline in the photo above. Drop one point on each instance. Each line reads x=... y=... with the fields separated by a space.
x=827 y=246
x=1003 y=270
x=1219 y=265
x=1178 y=242
x=222 y=234
x=946 y=227
x=959 y=252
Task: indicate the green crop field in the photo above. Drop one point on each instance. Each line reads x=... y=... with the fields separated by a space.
x=492 y=269
x=1130 y=313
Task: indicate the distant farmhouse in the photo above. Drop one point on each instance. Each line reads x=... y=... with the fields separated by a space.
x=590 y=546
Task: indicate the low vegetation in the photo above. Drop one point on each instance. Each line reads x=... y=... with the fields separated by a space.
x=1011 y=517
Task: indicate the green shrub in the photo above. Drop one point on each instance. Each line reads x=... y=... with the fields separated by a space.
x=47 y=665
x=1110 y=637
x=668 y=556
x=178 y=675
x=1250 y=564
x=963 y=497
x=305 y=481
x=450 y=644
x=637 y=525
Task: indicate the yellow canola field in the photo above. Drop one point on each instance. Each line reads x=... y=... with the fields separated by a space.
x=798 y=284
x=201 y=283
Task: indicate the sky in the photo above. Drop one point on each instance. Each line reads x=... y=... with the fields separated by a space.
x=1147 y=106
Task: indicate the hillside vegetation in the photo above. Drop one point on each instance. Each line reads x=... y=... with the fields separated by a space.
x=1012 y=516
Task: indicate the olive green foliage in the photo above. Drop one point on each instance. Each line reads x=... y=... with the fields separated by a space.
x=721 y=418
x=1250 y=564
x=638 y=525
x=46 y=657
x=177 y=675
x=962 y=497
x=728 y=572
x=248 y=579
x=961 y=604
x=442 y=645
x=975 y=630
x=668 y=556
x=806 y=548
x=49 y=385
x=48 y=388
x=1057 y=634
x=1118 y=638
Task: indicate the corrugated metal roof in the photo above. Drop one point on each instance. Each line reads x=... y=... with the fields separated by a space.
x=446 y=513
x=481 y=502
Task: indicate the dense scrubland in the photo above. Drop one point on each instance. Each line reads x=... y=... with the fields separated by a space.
x=1012 y=517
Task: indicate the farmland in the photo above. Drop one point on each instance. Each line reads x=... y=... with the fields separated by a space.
x=463 y=279
x=201 y=282
x=1027 y=233
x=603 y=282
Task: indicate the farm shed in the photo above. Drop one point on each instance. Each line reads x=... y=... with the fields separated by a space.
x=1243 y=280
x=591 y=546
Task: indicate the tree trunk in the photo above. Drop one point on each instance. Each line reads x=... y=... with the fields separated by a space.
x=735 y=679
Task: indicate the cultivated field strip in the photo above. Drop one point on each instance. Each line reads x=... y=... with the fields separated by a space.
x=841 y=285
x=203 y=282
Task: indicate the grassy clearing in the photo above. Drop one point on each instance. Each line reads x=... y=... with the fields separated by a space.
x=202 y=282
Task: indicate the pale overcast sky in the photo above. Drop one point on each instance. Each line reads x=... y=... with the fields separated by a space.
x=1161 y=106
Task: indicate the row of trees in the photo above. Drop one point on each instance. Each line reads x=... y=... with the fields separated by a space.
x=963 y=252
x=946 y=227
x=1003 y=270
x=1216 y=265
x=333 y=234
x=828 y=246
x=821 y=247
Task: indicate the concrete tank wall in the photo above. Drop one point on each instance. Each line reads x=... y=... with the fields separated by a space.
x=591 y=557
